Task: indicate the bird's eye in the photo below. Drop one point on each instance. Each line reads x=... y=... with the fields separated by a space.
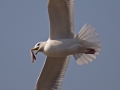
x=38 y=44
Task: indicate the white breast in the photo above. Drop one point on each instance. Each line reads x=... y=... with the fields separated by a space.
x=63 y=47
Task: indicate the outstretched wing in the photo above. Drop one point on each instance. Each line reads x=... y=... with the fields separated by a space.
x=61 y=19
x=52 y=73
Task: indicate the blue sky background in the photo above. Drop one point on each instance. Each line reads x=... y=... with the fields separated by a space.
x=25 y=22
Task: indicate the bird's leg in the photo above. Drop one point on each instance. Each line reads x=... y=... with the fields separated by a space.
x=90 y=51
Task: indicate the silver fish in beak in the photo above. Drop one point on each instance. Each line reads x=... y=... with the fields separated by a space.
x=33 y=58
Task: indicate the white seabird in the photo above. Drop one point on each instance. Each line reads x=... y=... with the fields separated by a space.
x=62 y=43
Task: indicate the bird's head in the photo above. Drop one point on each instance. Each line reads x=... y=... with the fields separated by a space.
x=39 y=47
x=36 y=47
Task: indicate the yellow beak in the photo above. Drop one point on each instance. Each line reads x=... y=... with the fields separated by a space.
x=32 y=49
x=35 y=49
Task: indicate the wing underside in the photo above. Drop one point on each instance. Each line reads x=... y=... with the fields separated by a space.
x=52 y=73
x=61 y=19
x=61 y=27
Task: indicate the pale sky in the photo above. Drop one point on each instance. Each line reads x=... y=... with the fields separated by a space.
x=23 y=23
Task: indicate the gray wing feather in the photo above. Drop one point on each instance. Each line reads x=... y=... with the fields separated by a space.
x=61 y=19
x=52 y=73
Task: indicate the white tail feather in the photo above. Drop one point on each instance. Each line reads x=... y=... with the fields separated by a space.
x=90 y=39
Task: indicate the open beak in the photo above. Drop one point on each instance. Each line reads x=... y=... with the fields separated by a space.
x=34 y=49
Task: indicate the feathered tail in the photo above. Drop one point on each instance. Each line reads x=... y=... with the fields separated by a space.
x=90 y=39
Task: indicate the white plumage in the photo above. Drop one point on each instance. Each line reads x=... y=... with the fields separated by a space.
x=62 y=43
x=90 y=40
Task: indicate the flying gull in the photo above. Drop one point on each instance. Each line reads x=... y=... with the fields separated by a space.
x=62 y=43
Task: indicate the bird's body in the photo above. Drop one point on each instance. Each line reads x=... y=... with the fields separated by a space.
x=62 y=43
x=62 y=47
